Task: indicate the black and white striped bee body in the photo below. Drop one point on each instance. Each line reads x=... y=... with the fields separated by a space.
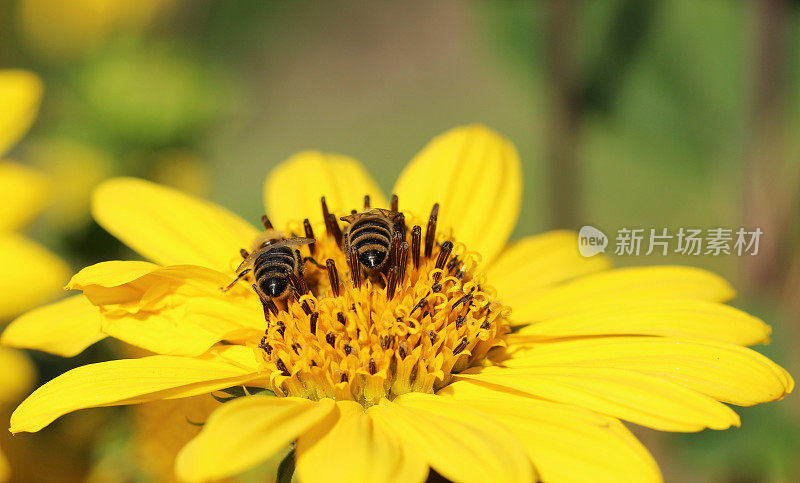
x=369 y=237
x=272 y=263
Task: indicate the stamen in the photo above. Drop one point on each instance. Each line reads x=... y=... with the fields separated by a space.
x=402 y=260
x=345 y=378
x=340 y=318
x=312 y=323
x=372 y=367
x=355 y=269
x=416 y=238
x=391 y=282
x=266 y=222
x=400 y=224
x=444 y=253
x=460 y=347
x=325 y=211
x=298 y=283
x=430 y=233
x=282 y=367
x=394 y=202
x=330 y=338
x=366 y=202
x=309 y=234
x=420 y=304
x=333 y=229
x=333 y=276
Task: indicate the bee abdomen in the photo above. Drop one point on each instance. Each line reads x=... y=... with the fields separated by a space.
x=271 y=268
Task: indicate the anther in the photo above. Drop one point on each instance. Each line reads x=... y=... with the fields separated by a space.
x=333 y=229
x=402 y=260
x=272 y=307
x=430 y=233
x=463 y=299
x=460 y=321
x=348 y=349
x=437 y=287
x=420 y=304
x=433 y=336
x=460 y=347
x=309 y=234
x=325 y=211
x=296 y=348
x=345 y=377
x=243 y=253
x=312 y=323
x=340 y=318
x=282 y=367
x=366 y=202
x=416 y=238
x=306 y=308
x=266 y=346
x=298 y=283
x=372 y=367
x=444 y=253
x=400 y=224
x=394 y=203
x=330 y=339
x=281 y=328
x=391 y=282
x=333 y=276
x=266 y=222
x=355 y=269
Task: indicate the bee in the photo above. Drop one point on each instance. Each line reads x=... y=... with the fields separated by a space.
x=274 y=264
x=369 y=237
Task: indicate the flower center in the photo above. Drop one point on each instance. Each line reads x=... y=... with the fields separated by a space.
x=382 y=318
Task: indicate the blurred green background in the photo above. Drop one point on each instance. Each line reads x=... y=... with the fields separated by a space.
x=626 y=114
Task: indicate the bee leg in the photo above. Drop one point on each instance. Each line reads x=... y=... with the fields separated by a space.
x=316 y=263
x=269 y=305
x=241 y=275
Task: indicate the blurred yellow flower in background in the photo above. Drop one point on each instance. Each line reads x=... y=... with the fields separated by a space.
x=384 y=378
x=62 y=30
x=29 y=273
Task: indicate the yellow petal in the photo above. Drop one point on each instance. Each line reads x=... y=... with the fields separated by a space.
x=565 y=443
x=170 y=227
x=351 y=447
x=29 y=275
x=126 y=381
x=23 y=194
x=538 y=262
x=599 y=288
x=726 y=372
x=245 y=432
x=458 y=442
x=16 y=375
x=638 y=398
x=64 y=328
x=652 y=316
x=475 y=176
x=20 y=95
x=292 y=191
x=176 y=310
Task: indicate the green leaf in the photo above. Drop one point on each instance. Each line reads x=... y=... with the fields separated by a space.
x=286 y=468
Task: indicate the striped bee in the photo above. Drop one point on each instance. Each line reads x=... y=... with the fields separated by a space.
x=368 y=239
x=276 y=266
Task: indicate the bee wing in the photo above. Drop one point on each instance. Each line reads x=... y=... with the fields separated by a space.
x=294 y=241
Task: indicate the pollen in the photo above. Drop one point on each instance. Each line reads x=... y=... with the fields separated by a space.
x=360 y=335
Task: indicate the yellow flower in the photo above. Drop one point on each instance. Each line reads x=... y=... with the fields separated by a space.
x=29 y=274
x=385 y=377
